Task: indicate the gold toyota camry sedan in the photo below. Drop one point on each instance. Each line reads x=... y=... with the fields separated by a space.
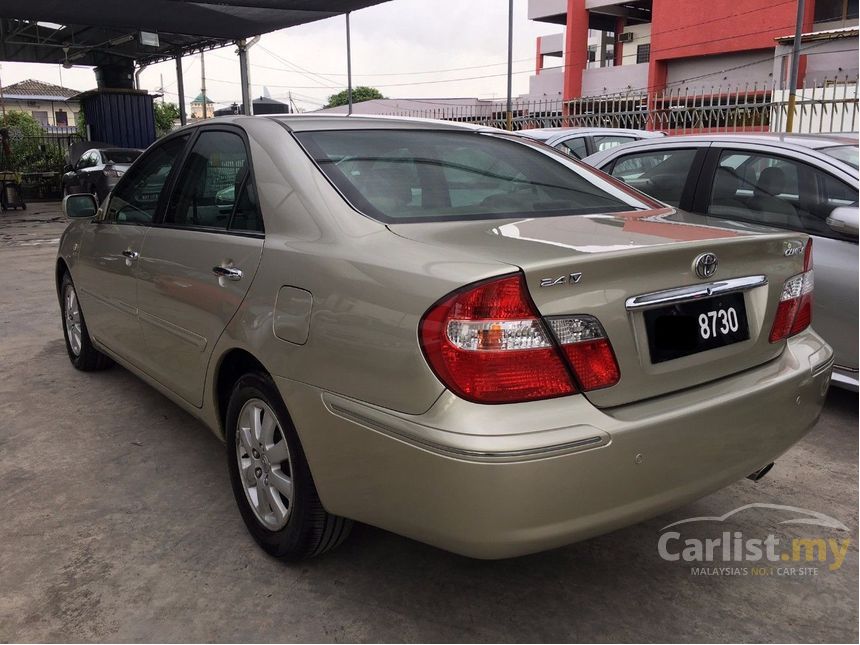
x=466 y=338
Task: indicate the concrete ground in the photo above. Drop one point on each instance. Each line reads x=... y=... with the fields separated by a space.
x=118 y=524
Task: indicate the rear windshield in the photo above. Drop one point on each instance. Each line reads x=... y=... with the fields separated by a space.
x=848 y=154
x=120 y=156
x=417 y=175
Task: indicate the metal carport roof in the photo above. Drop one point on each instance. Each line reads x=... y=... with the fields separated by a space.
x=102 y=33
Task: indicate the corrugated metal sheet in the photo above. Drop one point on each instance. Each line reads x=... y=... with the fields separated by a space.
x=125 y=120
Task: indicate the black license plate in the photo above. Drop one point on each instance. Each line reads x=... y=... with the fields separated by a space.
x=697 y=326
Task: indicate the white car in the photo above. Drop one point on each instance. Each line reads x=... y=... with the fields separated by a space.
x=805 y=183
x=581 y=142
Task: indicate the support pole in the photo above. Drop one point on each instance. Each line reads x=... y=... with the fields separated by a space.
x=243 y=76
x=180 y=90
x=348 y=68
x=795 y=64
x=510 y=118
x=203 y=83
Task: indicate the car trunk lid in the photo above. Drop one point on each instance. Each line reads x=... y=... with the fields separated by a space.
x=597 y=265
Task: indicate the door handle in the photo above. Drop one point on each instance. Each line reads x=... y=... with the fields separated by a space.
x=227 y=273
x=131 y=255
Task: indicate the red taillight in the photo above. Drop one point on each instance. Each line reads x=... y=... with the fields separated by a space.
x=794 y=313
x=488 y=344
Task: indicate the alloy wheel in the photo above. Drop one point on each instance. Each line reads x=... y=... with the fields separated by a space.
x=264 y=462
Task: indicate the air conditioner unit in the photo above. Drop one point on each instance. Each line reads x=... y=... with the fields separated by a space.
x=625 y=37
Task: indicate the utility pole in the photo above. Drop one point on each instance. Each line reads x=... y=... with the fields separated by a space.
x=510 y=119
x=203 y=82
x=161 y=88
x=348 y=68
x=2 y=103
x=795 y=64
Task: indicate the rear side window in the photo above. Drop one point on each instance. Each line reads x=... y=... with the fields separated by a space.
x=660 y=173
x=606 y=141
x=413 y=175
x=211 y=179
x=574 y=147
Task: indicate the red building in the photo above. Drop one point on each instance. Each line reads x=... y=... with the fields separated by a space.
x=646 y=46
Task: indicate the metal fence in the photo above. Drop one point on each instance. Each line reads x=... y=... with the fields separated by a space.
x=39 y=160
x=828 y=106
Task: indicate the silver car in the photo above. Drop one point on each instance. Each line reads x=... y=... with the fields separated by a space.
x=465 y=338
x=581 y=142
x=801 y=183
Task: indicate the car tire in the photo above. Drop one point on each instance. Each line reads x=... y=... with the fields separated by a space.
x=270 y=476
x=80 y=348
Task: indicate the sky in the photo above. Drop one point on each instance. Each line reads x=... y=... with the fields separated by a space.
x=405 y=48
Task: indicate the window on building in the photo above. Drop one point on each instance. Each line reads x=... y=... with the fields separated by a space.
x=41 y=116
x=643 y=53
x=61 y=117
x=835 y=10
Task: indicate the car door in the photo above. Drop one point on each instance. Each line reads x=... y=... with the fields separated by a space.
x=762 y=186
x=198 y=262
x=107 y=265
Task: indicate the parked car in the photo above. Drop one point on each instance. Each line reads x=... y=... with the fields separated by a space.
x=581 y=142
x=800 y=183
x=98 y=170
x=461 y=337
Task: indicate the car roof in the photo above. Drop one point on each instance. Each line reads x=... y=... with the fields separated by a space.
x=545 y=134
x=813 y=141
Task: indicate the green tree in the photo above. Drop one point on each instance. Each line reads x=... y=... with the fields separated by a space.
x=359 y=94
x=166 y=115
x=25 y=136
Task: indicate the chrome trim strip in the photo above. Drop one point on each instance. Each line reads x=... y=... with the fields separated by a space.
x=694 y=292
x=822 y=367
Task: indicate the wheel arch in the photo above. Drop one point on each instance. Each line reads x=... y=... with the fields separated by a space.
x=59 y=271
x=232 y=364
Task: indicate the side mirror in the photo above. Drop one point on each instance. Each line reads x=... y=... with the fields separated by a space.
x=68 y=168
x=81 y=205
x=844 y=219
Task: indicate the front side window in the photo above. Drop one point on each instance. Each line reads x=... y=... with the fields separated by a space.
x=659 y=173
x=210 y=181
x=778 y=191
x=415 y=175
x=136 y=197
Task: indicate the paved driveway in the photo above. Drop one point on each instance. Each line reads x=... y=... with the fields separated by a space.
x=118 y=524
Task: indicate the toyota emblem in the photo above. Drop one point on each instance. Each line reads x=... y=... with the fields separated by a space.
x=705 y=265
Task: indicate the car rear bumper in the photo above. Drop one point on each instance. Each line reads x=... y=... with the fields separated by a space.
x=499 y=481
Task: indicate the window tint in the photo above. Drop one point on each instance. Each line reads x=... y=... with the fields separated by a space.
x=246 y=217
x=661 y=173
x=397 y=175
x=574 y=147
x=135 y=198
x=210 y=180
x=607 y=141
x=777 y=191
